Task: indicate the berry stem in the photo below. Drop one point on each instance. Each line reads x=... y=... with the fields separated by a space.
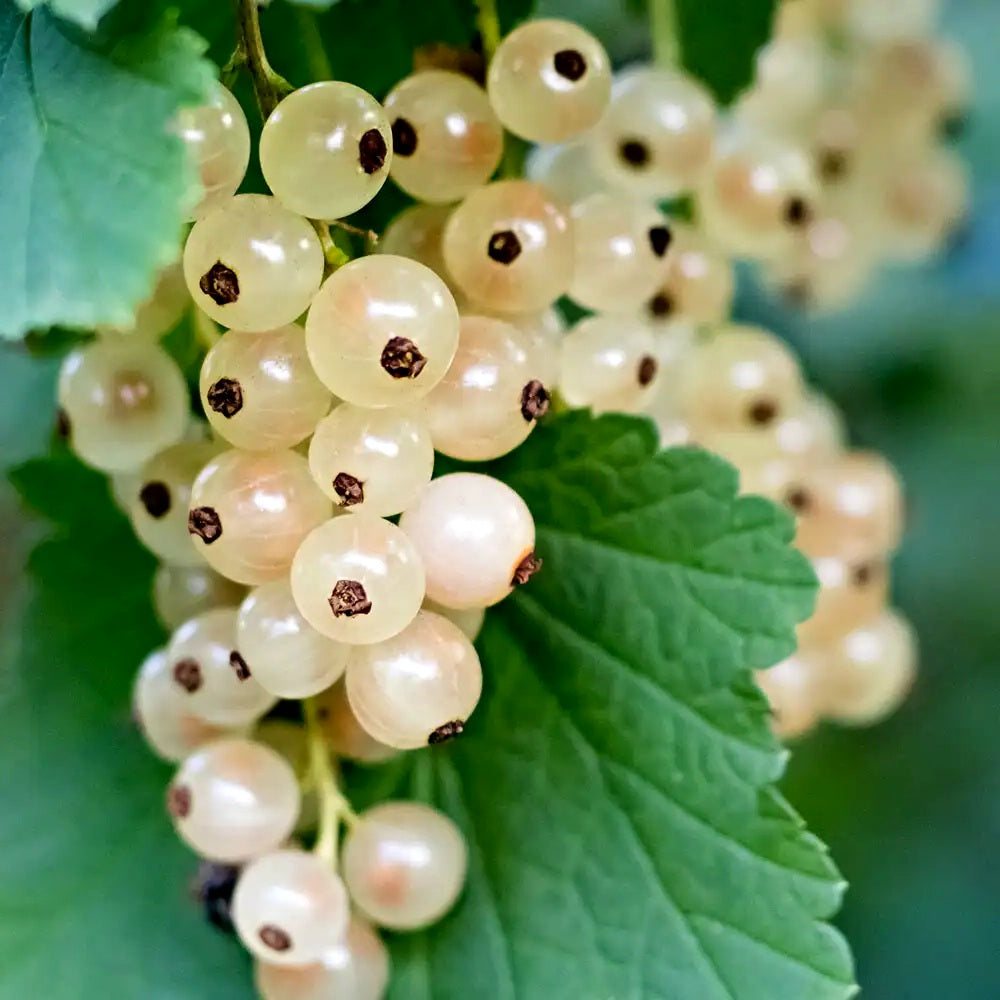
x=333 y=807
x=268 y=86
x=488 y=22
x=663 y=29
x=316 y=58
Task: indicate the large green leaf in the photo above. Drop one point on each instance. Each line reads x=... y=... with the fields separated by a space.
x=93 y=183
x=616 y=786
x=85 y=12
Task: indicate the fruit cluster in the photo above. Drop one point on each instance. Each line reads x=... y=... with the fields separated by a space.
x=446 y=339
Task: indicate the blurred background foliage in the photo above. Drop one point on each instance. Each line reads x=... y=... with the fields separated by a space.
x=911 y=808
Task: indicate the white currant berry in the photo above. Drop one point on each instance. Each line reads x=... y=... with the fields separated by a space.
x=549 y=81
x=469 y=620
x=404 y=864
x=375 y=461
x=250 y=510
x=850 y=594
x=162 y=712
x=658 y=134
x=358 y=579
x=181 y=592
x=565 y=169
x=475 y=537
x=259 y=390
x=217 y=138
x=446 y=139
x=491 y=398
x=608 y=362
x=545 y=328
x=342 y=732
x=326 y=149
x=125 y=400
x=890 y=19
x=207 y=667
x=418 y=687
x=356 y=968
x=233 y=800
x=289 y=907
x=813 y=429
x=764 y=470
x=251 y=264
x=621 y=252
x=418 y=233
x=161 y=499
x=158 y=313
x=284 y=653
x=789 y=83
x=509 y=247
x=382 y=331
x=793 y=689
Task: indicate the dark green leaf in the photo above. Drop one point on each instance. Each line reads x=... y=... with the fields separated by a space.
x=84 y=12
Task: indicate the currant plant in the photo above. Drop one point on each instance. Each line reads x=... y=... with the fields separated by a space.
x=520 y=726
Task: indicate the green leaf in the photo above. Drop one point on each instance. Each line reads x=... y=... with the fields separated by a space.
x=93 y=882
x=616 y=784
x=84 y=12
x=93 y=184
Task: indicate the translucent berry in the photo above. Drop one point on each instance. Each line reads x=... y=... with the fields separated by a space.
x=342 y=732
x=608 y=363
x=491 y=398
x=251 y=264
x=250 y=510
x=417 y=233
x=469 y=620
x=545 y=329
x=358 y=579
x=259 y=390
x=290 y=907
x=181 y=592
x=418 y=687
x=375 y=461
x=549 y=81
x=382 y=331
x=476 y=538
x=509 y=247
x=792 y=688
x=814 y=429
x=764 y=470
x=125 y=399
x=217 y=138
x=850 y=595
x=404 y=864
x=888 y=19
x=566 y=170
x=658 y=134
x=326 y=150
x=161 y=498
x=233 y=800
x=447 y=140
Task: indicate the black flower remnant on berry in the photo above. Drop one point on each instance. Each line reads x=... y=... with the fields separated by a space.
x=62 y=423
x=404 y=138
x=797 y=212
x=534 y=400
x=349 y=488
x=239 y=665
x=660 y=239
x=798 y=499
x=213 y=886
x=187 y=673
x=401 y=358
x=348 y=598
x=155 y=497
x=205 y=523
x=865 y=573
x=660 y=305
x=446 y=732
x=179 y=801
x=832 y=164
x=569 y=63
x=762 y=412
x=275 y=938
x=526 y=569
x=220 y=284
x=372 y=151
x=648 y=367
x=225 y=396
x=504 y=247
x=634 y=152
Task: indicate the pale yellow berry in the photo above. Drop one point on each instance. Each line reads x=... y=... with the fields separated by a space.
x=342 y=732
x=850 y=594
x=181 y=592
x=793 y=690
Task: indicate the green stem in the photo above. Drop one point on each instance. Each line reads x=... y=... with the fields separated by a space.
x=663 y=29
x=316 y=58
x=269 y=87
x=488 y=22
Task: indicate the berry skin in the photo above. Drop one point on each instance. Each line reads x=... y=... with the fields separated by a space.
x=404 y=864
x=326 y=150
x=793 y=689
x=253 y=265
x=491 y=398
x=207 y=667
x=250 y=510
x=469 y=620
x=657 y=136
x=289 y=908
x=417 y=233
x=447 y=140
x=382 y=331
x=358 y=579
x=125 y=399
x=410 y=690
x=356 y=968
x=218 y=140
x=181 y=592
x=371 y=461
x=549 y=81
x=259 y=390
x=850 y=594
x=286 y=655
x=474 y=535
x=509 y=247
x=234 y=800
